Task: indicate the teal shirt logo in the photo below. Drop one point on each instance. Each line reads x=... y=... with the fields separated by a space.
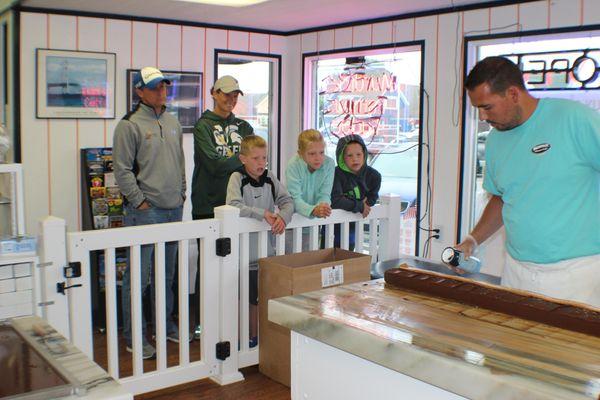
x=540 y=148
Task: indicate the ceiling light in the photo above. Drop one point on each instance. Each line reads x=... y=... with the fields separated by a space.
x=227 y=3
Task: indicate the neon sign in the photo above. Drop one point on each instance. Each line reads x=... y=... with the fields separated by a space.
x=360 y=82
x=356 y=106
x=560 y=70
x=354 y=101
x=350 y=125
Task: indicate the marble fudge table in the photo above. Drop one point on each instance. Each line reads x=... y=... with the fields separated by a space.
x=369 y=341
x=74 y=375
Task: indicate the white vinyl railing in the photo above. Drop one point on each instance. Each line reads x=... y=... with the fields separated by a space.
x=384 y=218
x=79 y=248
x=224 y=314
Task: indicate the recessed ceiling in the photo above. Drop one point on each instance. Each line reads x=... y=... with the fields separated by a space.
x=272 y=15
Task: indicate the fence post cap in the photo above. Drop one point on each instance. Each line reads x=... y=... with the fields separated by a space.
x=226 y=211
x=52 y=220
x=388 y=198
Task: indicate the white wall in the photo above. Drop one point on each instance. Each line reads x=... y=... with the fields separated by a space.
x=442 y=48
x=51 y=147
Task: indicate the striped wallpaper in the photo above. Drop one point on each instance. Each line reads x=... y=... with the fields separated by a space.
x=50 y=147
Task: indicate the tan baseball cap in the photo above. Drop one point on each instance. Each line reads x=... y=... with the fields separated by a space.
x=227 y=84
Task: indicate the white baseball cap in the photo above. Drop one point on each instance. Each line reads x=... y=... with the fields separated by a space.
x=227 y=84
x=149 y=77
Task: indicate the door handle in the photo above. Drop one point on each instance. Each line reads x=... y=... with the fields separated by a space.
x=61 y=287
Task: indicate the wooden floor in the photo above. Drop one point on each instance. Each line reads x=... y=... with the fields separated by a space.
x=126 y=361
x=255 y=385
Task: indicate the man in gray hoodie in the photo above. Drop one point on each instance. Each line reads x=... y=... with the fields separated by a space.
x=149 y=168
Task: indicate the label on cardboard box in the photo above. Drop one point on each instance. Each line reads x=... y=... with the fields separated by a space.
x=332 y=276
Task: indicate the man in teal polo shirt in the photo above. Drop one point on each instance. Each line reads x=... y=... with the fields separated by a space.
x=543 y=173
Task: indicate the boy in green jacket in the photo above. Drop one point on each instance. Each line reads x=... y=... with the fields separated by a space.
x=217 y=138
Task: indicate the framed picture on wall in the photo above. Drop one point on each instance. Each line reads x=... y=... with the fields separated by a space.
x=75 y=84
x=184 y=96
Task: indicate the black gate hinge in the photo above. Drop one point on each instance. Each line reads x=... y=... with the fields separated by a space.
x=223 y=247
x=223 y=350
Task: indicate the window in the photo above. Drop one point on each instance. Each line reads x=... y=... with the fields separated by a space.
x=554 y=65
x=259 y=77
x=375 y=94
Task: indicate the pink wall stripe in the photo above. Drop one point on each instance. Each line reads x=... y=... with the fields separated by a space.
x=48 y=130
x=460 y=115
x=181 y=47
x=77 y=145
x=131 y=46
x=204 y=74
x=334 y=46
x=435 y=110
x=115 y=96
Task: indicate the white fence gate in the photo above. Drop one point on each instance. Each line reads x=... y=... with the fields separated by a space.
x=224 y=285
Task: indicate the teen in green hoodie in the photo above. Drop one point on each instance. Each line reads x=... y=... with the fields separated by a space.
x=218 y=135
x=217 y=138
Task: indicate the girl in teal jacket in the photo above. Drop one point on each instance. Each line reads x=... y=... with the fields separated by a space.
x=309 y=176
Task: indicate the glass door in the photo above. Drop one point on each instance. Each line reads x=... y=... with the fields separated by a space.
x=554 y=65
x=259 y=78
x=375 y=94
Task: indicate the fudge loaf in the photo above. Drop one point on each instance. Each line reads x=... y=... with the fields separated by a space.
x=562 y=314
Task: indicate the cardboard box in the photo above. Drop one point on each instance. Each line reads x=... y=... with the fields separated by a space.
x=292 y=274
